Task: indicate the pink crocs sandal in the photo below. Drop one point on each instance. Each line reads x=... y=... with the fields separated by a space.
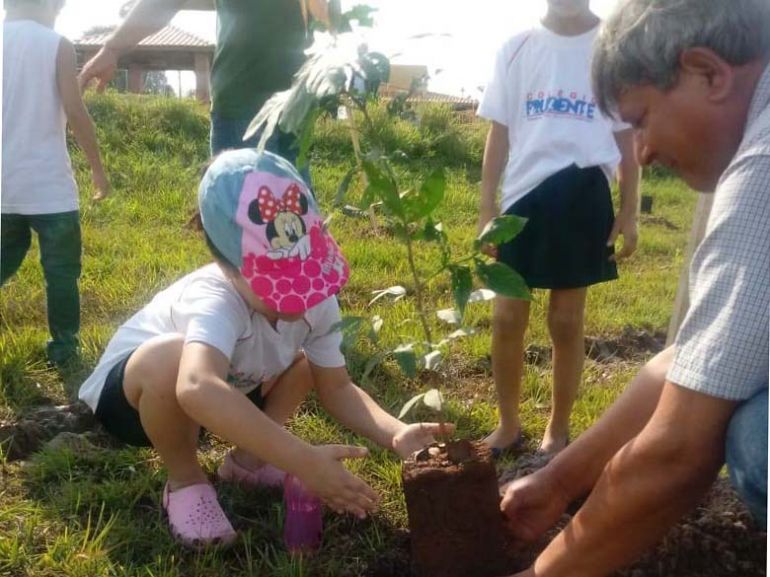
x=264 y=476
x=195 y=517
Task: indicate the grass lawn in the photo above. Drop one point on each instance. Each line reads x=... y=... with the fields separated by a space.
x=95 y=511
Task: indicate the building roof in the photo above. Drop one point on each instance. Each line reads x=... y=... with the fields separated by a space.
x=169 y=37
x=459 y=102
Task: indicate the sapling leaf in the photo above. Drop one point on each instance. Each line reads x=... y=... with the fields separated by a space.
x=409 y=404
x=481 y=295
x=396 y=291
x=342 y=189
x=500 y=229
x=384 y=188
x=407 y=361
x=462 y=285
x=434 y=399
x=419 y=204
x=375 y=360
x=450 y=316
x=432 y=360
x=349 y=326
x=502 y=279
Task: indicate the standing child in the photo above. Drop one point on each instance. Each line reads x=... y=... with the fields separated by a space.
x=258 y=325
x=559 y=156
x=40 y=96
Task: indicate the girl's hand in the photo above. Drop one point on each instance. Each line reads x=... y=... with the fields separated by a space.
x=337 y=487
x=625 y=224
x=417 y=436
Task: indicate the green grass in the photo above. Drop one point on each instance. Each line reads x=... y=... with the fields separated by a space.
x=96 y=512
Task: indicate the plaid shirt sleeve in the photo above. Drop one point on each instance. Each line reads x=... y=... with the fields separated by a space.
x=722 y=345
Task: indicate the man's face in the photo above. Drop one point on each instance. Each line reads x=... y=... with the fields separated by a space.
x=680 y=129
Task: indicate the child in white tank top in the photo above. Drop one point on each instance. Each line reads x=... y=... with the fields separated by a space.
x=40 y=97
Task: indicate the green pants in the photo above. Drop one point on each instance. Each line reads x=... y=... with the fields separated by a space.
x=60 y=246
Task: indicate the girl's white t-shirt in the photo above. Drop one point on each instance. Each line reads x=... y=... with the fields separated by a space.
x=36 y=174
x=205 y=307
x=541 y=90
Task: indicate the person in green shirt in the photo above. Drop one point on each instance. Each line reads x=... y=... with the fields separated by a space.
x=260 y=45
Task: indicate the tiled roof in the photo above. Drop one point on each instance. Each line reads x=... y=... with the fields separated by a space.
x=389 y=91
x=168 y=37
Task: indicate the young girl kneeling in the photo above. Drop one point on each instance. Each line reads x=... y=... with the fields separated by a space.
x=255 y=325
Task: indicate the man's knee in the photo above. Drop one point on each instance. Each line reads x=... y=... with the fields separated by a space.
x=746 y=451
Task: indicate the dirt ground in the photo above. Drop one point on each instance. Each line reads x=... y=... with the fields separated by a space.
x=717 y=539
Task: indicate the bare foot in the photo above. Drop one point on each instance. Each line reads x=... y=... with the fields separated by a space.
x=553 y=443
x=502 y=438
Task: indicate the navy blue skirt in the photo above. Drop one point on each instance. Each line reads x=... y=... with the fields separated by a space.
x=564 y=243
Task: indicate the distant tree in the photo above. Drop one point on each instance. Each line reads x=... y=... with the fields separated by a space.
x=155 y=82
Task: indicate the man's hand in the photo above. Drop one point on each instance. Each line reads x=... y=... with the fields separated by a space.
x=533 y=504
x=417 y=436
x=625 y=224
x=102 y=67
x=330 y=481
x=101 y=185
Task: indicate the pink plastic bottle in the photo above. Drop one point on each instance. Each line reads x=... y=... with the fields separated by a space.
x=303 y=524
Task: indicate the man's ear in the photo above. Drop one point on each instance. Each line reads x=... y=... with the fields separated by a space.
x=718 y=75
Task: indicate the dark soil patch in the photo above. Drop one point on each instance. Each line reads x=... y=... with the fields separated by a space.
x=28 y=434
x=717 y=539
x=648 y=219
x=631 y=345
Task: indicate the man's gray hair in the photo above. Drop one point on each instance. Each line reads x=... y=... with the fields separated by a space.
x=641 y=42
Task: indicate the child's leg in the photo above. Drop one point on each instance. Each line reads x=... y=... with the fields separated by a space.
x=15 y=239
x=150 y=387
x=565 y=323
x=509 y=323
x=59 y=236
x=282 y=398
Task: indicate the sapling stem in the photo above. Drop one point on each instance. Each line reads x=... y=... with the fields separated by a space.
x=417 y=290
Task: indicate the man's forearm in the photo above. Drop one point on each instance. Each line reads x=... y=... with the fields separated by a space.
x=578 y=467
x=146 y=18
x=644 y=489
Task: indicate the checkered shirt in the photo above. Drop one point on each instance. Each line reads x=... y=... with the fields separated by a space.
x=722 y=345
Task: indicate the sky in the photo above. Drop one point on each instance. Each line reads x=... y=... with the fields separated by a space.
x=458 y=50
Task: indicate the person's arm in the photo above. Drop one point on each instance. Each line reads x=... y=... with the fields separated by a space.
x=493 y=164
x=646 y=487
x=629 y=174
x=205 y=396
x=355 y=409
x=146 y=18
x=533 y=504
x=77 y=115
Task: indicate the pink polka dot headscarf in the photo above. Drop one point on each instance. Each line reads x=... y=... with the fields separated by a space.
x=259 y=213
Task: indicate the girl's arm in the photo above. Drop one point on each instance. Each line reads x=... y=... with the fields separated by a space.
x=629 y=175
x=357 y=411
x=495 y=159
x=205 y=396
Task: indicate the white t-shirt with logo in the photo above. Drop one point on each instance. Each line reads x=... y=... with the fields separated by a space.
x=205 y=307
x=541 y=90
